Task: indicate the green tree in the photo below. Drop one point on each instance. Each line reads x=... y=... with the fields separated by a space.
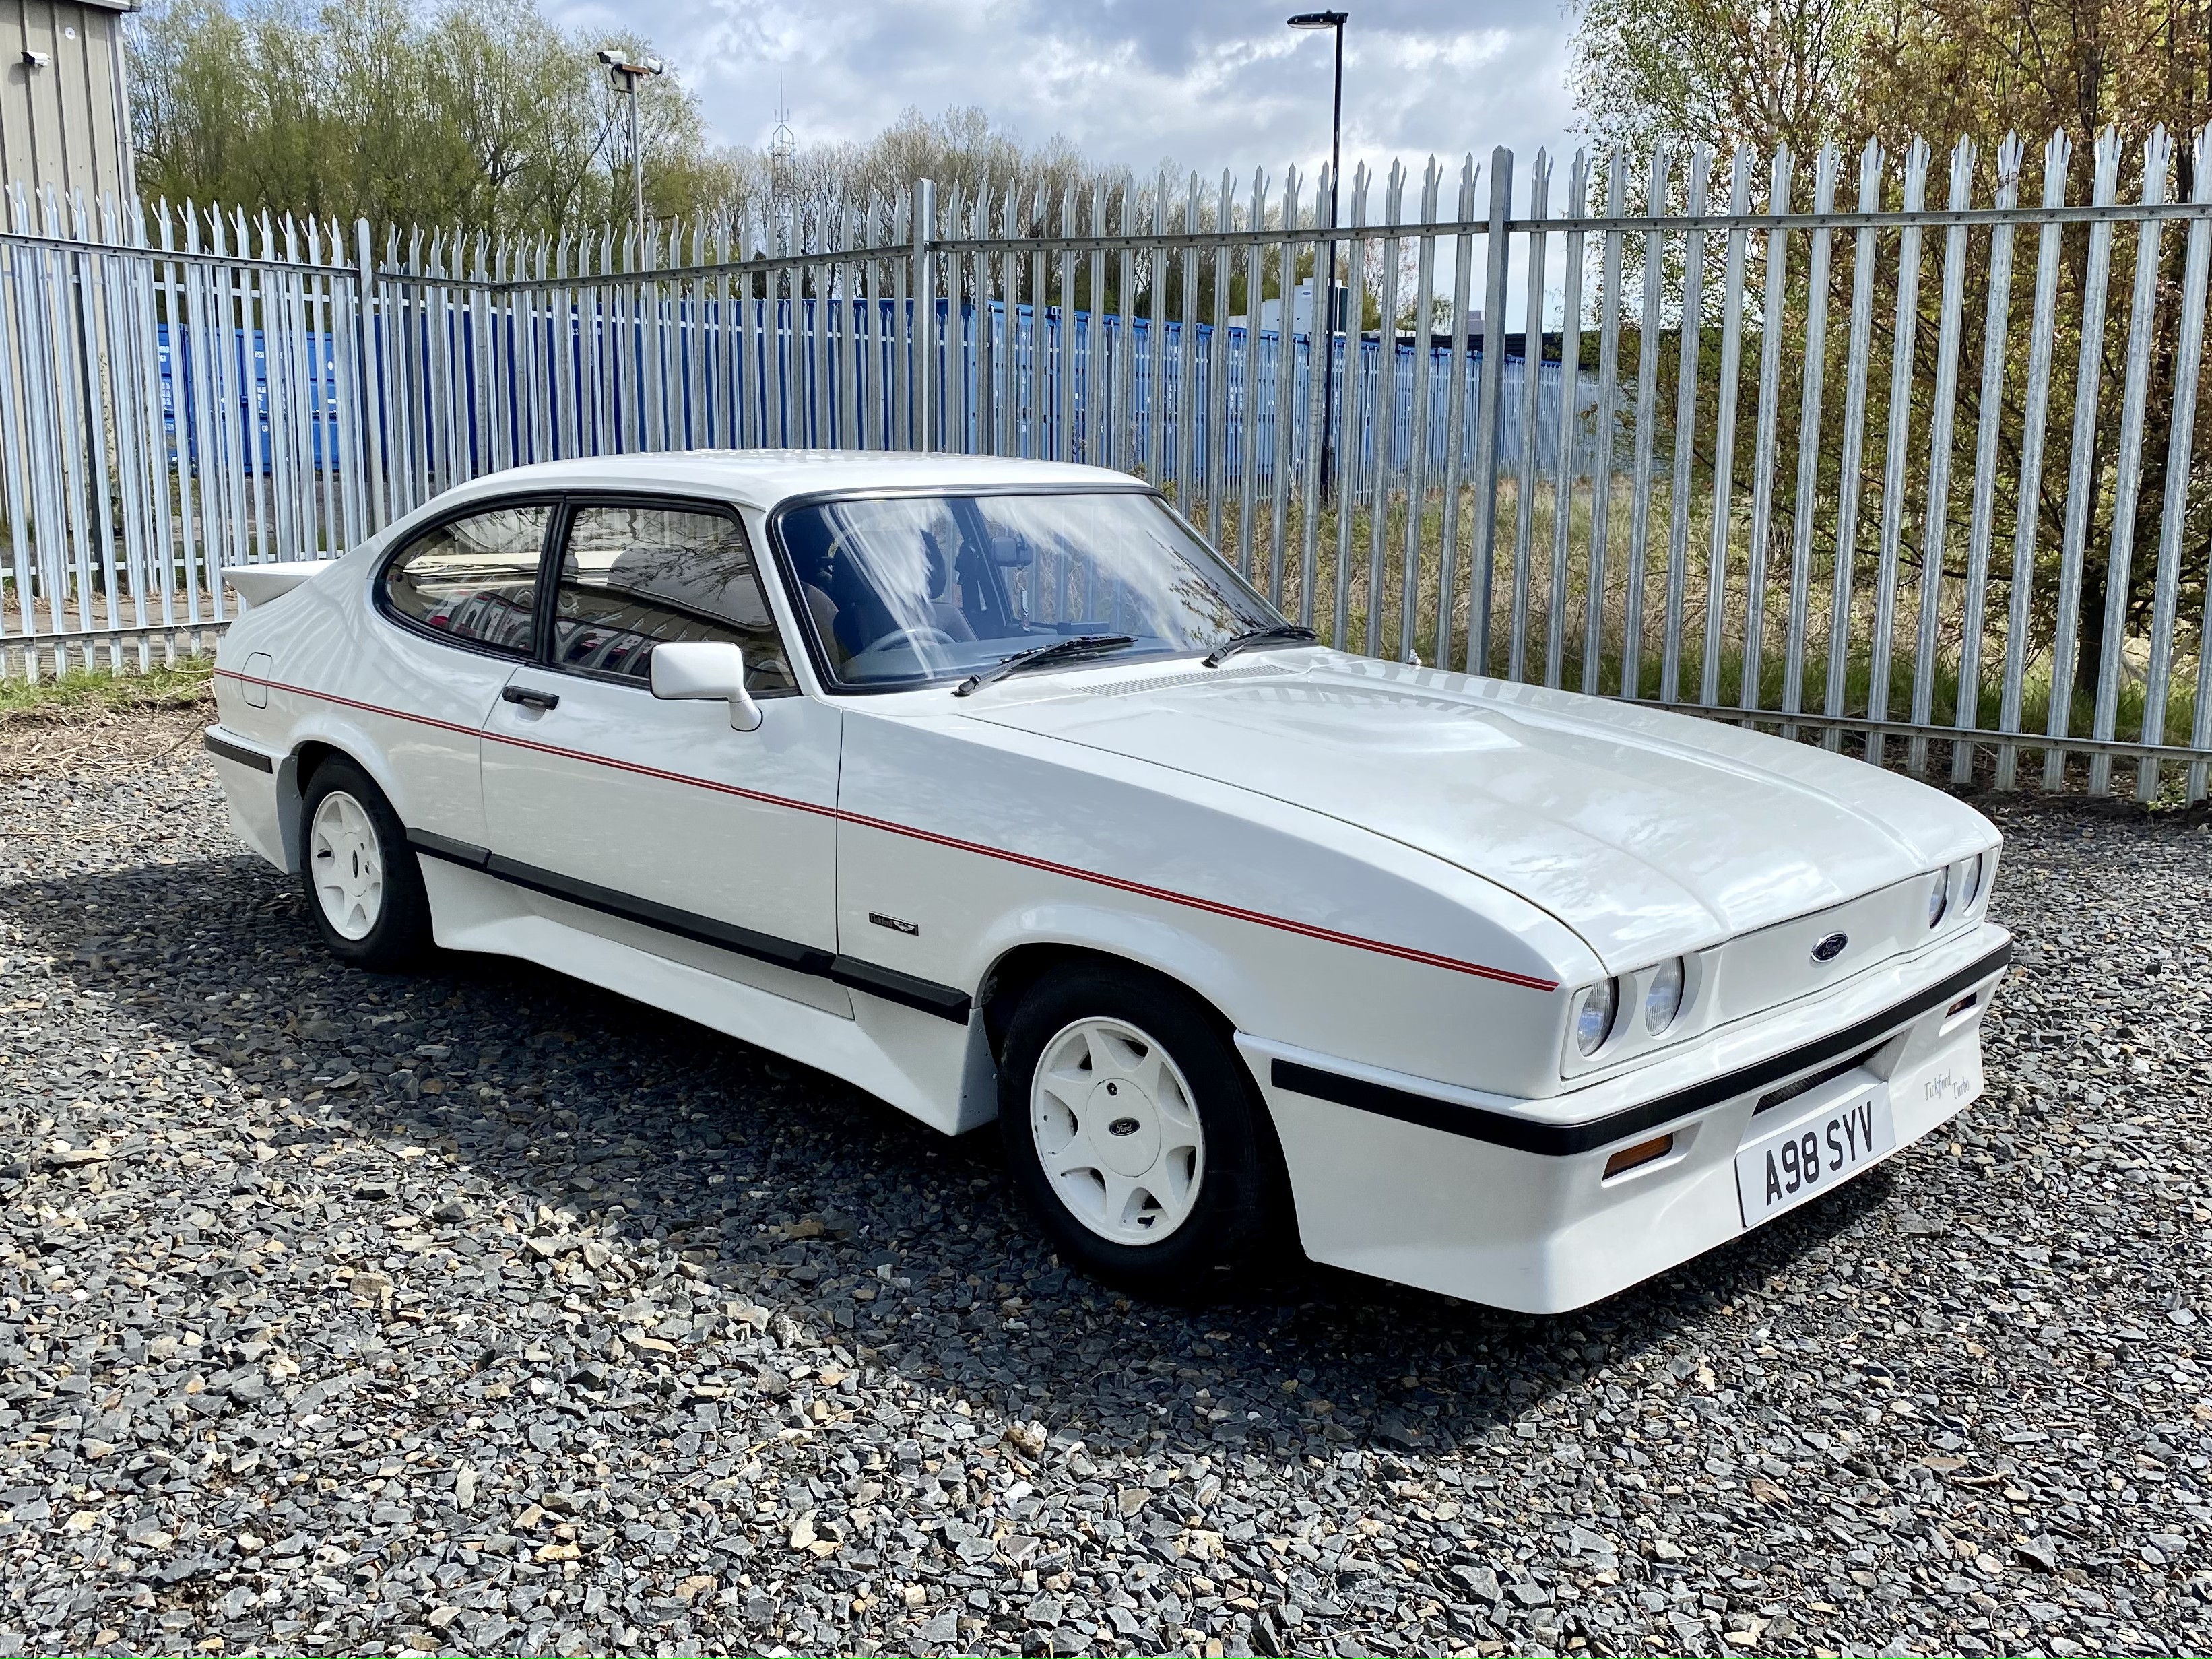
x=483 y=116
x=1802 y=73
x=1719 y=72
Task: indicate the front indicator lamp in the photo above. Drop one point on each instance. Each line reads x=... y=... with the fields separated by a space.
x=1593 y=1011
x=1635 y=1157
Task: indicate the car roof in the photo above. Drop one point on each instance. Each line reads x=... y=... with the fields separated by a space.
x=767 y=477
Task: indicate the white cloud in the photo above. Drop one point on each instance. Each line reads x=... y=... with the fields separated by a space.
x=1207 y=83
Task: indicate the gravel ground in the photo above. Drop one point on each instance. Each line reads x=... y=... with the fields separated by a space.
x=481 y=1311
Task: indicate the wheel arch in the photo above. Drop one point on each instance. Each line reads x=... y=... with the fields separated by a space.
x=1036 y=941
x=311 y=754
x=296 y=772
x=1011 y=977
x=1021 y=967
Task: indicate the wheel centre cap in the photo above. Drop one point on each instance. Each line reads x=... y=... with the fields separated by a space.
x=1124 y=1128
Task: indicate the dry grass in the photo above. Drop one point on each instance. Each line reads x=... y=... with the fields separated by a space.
x=84 y=695
x=92 y=718
x=1711 y=661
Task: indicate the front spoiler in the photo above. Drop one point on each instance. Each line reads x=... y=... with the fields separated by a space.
x=1505 y=1202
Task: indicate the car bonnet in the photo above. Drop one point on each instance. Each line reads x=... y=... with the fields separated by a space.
x=1647 y=833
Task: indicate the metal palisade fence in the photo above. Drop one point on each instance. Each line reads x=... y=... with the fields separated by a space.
x=1787 y=441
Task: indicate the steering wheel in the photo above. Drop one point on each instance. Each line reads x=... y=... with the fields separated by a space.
x=911 y=636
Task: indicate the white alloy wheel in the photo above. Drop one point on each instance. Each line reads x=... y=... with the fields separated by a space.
x=347 y=866
x=1116 y=1131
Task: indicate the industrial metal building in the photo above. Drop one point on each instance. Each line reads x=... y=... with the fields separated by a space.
x=65 y=109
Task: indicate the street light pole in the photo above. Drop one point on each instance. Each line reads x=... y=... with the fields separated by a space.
x=636 y=168
x=624 y=73
x=1336 y=20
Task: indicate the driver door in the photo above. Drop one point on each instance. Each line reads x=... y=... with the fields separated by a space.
x=601 y=796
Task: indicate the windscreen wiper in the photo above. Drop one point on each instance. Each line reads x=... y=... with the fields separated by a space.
x=1075 y=645
x=1282 y=633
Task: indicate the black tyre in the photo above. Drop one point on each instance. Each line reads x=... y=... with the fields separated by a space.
x=364 y=884
x=1135 y=1134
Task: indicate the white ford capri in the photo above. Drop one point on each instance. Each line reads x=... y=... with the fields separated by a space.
x=986 y=786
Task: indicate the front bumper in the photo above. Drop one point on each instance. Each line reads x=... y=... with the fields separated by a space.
x=1505 y=1202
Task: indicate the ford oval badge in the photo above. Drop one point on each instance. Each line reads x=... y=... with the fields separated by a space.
x=1831 y=947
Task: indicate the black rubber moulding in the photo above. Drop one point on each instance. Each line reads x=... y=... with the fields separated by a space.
x=237 y=751
x=1566 y=1140
x=945 y=1001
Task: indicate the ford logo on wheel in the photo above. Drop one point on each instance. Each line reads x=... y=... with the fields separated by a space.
x=1122 y=1126
x=1831 y=947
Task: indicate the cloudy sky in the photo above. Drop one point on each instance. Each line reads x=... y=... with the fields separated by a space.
x=1204 y=84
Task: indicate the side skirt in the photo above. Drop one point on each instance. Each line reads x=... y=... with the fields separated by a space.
x=945 y=1001
x=912 y=1061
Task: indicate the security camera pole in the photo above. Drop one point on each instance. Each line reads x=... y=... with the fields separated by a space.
x=1328 y=20
x=624 y=73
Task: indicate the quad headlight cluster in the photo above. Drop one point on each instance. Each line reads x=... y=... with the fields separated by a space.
x=1956 y=888
x=1632 y=1014
x=1662 y=995
x=1594 y=1012
x=1599 y=1008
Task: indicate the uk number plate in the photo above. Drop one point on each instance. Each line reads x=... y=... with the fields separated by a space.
x=1813 y=1153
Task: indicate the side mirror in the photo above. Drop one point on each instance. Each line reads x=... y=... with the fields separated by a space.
x=706 y=671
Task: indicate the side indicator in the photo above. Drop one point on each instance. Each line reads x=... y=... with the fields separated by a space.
x=1633 y=1158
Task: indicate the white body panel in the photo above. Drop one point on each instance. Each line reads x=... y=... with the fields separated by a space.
x=1249 y=902
x=912 y=1060
x=1648 y=833
x=679 y=818
x=1544 y=1233
x=1389 y=880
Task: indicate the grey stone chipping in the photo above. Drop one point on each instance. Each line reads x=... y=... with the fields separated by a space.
x=480 y=1312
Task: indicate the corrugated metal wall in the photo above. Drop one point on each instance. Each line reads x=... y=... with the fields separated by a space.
x=63 y=123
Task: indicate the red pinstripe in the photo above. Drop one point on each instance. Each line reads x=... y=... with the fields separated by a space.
x=1212 y=907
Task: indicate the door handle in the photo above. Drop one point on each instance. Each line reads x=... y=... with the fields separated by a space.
x=540 y=700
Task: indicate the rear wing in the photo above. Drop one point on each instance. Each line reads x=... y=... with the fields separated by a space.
x=258 y=584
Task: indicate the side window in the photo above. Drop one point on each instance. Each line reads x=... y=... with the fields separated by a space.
x=635 y=575
x=475 y=579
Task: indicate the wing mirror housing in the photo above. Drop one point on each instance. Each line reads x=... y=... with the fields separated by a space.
x=709 y=672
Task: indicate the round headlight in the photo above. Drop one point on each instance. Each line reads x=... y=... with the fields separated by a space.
x=1939 y=895
x=1970 y=883
x=1594 y=1012
x=1662 y=998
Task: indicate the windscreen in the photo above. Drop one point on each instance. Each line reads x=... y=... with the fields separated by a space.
x=906 y=590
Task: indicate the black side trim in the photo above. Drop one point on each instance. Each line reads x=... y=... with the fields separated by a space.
x=740 y=941
x=454 y=852
x=945 y=1001
x=237 y=751
x=1564 y=1140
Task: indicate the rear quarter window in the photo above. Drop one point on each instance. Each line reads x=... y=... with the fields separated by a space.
x=474 y=580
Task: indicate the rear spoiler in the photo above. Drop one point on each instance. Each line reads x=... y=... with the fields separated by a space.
x=258 y=584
